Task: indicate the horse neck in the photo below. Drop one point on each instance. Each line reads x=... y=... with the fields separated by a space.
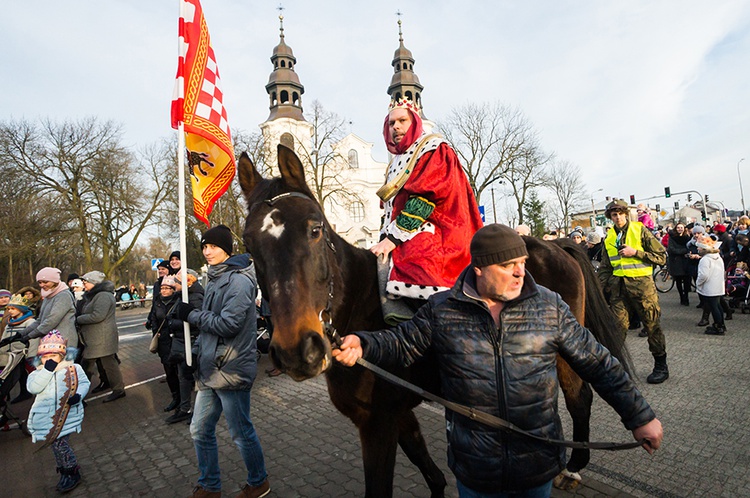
x=359 y=307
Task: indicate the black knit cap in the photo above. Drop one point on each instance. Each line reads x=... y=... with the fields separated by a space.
x=163 y=264
x=175 y=254
x=220 y=236
x=494 y=244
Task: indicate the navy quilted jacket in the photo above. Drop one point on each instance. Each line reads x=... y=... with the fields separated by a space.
x=509 y=372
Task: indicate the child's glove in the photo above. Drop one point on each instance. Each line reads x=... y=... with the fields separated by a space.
x=50 y=365
x=74 y=400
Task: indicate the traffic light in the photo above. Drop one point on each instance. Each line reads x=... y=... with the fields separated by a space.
x=703 y=215
x=658 y=208
x=667 y=193
x=706 y=197
x=690 y=197
x=632 y=199
x=677 y=204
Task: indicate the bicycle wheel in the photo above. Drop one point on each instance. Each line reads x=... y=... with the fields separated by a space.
x=663 y=280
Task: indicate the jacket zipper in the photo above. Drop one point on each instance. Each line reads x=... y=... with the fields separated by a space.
x=497 y=344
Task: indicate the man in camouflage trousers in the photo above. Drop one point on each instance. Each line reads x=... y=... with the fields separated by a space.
x=630 y=251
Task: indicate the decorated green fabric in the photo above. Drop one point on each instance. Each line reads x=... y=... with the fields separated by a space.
x=415 y=212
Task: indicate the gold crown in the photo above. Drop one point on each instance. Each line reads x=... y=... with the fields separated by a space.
x=19 y=301
x=404 y=103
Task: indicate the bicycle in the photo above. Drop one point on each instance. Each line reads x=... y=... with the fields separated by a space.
x=662 y=279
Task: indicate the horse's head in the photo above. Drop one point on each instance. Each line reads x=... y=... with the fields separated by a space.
x=289 y=239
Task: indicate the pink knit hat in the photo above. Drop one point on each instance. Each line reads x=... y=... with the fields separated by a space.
x=52 y=343
x=48 y=274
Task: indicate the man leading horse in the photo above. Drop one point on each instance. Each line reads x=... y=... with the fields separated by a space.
x=496 y=336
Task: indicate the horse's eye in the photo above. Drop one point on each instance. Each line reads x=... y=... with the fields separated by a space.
x=315 y=232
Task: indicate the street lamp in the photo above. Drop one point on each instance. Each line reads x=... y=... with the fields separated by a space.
x=742 y=195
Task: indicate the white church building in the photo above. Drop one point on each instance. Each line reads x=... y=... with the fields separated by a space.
x=356 y=220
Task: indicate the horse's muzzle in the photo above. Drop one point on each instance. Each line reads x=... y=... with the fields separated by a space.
x=310 y=358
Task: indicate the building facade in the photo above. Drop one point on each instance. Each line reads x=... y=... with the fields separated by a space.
x=356 y=215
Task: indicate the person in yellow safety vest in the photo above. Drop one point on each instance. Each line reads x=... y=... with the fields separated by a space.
x=630 y=251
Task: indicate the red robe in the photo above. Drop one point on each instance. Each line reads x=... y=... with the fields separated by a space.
x=431 y=260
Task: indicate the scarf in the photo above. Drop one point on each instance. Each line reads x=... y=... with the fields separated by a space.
x=411 y=136
x=18 y=321
x=48 y=294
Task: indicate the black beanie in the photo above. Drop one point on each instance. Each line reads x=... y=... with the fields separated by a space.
x=175 y=254
x=163 y=264
x=494 y=244
x=220 y=236
x=72 y=276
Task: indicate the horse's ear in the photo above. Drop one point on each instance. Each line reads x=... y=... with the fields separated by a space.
x=291 y=168
x=249 y=176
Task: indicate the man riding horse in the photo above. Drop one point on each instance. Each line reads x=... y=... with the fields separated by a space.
x=430 y=210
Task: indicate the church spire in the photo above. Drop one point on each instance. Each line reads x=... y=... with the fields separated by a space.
x=404 y=83
x=284 y=89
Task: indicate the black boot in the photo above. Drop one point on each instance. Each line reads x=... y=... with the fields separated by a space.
x=716 y=329
x=174 y=404
x=103 y=386
x=704 y=318
x=69 y=480
x=661 y=371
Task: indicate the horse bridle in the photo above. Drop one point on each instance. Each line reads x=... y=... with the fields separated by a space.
x=476 y=415
x=326 y=322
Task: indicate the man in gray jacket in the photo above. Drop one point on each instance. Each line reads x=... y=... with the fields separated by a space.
x=496 y=336
x=226 y=364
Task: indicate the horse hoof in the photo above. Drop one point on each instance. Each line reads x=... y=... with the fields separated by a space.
x=567 y=480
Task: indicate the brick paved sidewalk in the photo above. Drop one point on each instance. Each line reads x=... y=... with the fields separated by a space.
x=311 y=450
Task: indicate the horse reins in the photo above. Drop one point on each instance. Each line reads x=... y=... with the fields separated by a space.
x=476 y=415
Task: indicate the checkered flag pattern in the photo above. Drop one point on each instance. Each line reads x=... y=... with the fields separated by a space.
x=198 y=104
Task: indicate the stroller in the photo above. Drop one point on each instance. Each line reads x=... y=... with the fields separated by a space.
x=9 y=377
x=738 y=288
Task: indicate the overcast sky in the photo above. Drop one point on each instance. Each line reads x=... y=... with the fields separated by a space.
x=639 y=94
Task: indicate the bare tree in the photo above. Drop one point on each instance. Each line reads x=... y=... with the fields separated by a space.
x=526 y=173
x=566 y=184
x=108 y=195
x=325 y=166
x=489 y=139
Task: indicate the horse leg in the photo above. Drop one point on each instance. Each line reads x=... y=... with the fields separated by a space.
x=412 y=442
x=578 y=399
x=379 y=437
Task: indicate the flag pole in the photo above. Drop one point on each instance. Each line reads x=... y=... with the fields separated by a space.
x=183 y=241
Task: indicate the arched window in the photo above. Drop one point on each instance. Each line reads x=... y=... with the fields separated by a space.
x=273 y=98
x=408 y=96
x=404 y=65
x=287 y=140
x=295 y=98
x=357 y=211
x=283 y=63
x=353 y=159
x=284 y=97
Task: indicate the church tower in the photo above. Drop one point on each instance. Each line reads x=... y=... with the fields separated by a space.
x=405 y=83
x=285 y=124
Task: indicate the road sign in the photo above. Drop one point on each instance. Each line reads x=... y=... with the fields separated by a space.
x=155 y=262
x=481 y=212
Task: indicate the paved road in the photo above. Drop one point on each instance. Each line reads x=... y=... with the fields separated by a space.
x=125 y=448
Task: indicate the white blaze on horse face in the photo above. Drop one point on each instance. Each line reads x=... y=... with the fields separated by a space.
x=269 y=225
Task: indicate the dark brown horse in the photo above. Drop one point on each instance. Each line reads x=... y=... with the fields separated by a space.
x=311 y=275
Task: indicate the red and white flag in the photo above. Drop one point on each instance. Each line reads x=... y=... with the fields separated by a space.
x=198 y=103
